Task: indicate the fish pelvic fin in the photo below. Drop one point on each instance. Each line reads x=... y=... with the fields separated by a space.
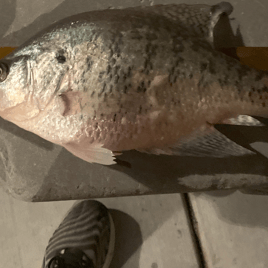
x=93 y=153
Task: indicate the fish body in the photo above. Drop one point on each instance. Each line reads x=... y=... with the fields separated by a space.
x=144 y=78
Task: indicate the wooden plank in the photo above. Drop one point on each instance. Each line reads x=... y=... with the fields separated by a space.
x=151 y=231
x=232 y=228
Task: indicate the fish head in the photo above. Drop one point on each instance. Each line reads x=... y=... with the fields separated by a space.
x=30 y=78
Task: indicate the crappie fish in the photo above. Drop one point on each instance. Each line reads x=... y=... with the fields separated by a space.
x=144 y=78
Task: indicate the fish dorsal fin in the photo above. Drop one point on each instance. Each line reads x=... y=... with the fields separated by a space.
x=199 y=19
x=205 y=142
x=92 y=153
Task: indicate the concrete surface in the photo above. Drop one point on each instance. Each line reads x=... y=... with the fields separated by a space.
x=232 y=228
x=151 y=231
x=35 y=170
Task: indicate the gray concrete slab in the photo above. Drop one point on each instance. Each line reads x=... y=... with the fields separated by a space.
x=232 y=228
x=150 y=231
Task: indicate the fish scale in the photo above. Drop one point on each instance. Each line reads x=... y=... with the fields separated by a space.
x=144 y=78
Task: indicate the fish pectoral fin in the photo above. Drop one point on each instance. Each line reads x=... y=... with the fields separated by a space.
x=205 y=142
x=92 y=153
x=70 y=102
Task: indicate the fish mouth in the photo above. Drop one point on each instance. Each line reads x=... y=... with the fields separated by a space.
x=4 y=70
x=10 y=95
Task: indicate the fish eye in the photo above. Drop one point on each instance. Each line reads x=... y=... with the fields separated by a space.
x=60 y=58
x=3 y=71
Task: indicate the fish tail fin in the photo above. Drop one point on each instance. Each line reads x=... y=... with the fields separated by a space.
x=216 y=12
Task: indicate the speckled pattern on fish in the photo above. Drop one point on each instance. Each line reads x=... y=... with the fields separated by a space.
x=143 y=78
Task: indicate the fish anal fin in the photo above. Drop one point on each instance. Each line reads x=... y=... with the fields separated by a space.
x=92 y=153
x=205 y=142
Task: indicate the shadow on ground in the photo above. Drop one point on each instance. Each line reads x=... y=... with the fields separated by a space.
x=240 y=209
x=128 y=239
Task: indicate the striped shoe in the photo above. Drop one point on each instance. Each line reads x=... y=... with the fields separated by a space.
x=84 y=239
